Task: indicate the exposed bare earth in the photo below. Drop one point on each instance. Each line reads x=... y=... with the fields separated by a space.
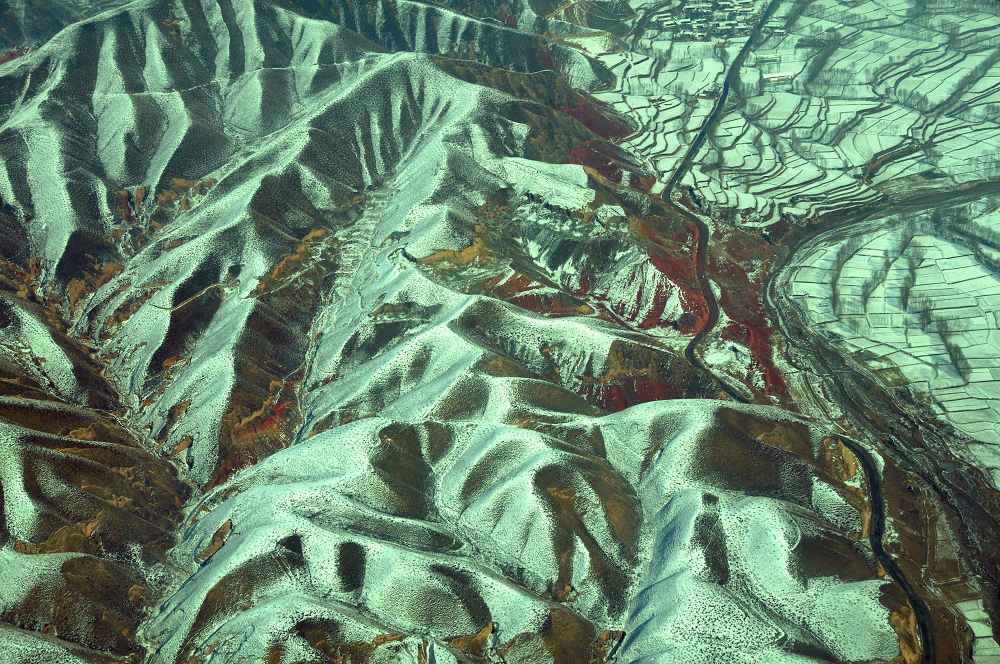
x=405 y=331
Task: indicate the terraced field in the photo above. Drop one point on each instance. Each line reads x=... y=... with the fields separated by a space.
x=917 y=296
x=836 y=105
x=465 y=331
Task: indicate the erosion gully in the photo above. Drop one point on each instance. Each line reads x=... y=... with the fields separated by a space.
x=870 y=466
x=867 y=460
x=891 y=424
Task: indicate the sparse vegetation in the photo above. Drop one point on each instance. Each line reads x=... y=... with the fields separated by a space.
x=844 y=254
x=913 y=260
x=955 y=353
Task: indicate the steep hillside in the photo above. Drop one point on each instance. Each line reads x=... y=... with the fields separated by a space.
x=361 y=330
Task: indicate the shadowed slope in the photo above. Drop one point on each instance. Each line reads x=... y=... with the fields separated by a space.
x=369 y=276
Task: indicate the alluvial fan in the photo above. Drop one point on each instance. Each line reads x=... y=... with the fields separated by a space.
x=456 y=331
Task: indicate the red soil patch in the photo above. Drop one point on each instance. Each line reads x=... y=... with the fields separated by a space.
x=673 y=251
x=12 y=54
x=742 y=301
x=601 y=121
x=524 y=292
x=592 y=156
x=643 y=183
x=629 y=391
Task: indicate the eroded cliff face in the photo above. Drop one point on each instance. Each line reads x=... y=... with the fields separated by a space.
x=363 y=331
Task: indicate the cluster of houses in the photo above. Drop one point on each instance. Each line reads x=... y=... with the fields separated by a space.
x=708 y=20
